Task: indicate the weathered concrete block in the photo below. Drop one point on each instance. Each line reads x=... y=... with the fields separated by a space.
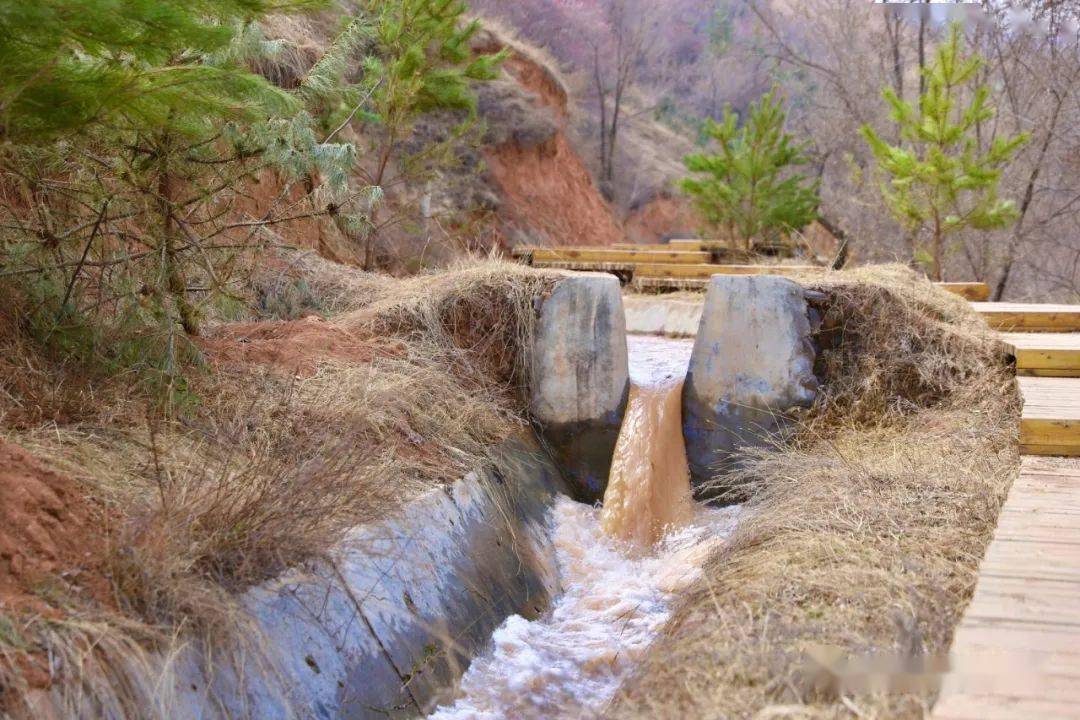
x=752 y=365
x=580 y=378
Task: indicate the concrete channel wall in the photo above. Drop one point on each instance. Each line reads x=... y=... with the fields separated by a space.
x=581 y=379
x=384 y=626
x=751 y=371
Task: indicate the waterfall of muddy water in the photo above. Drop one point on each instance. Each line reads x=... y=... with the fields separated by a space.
x=615 y=597
x=648 y=492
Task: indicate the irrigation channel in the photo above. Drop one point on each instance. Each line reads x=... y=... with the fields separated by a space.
x=621 y=566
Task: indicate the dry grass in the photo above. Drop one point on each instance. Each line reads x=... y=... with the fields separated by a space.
x=482 y=311
x=865 y=533
x=497 y=33
x=297 y=42
x=271 y=468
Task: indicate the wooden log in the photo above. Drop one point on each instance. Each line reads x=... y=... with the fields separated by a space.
x=619 y=256
x=974 y=291
x=1030 y=317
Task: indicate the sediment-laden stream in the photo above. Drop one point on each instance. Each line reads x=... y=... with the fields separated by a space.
x=620 y=568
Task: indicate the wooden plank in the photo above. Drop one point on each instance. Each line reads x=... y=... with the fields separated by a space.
x=1042 y=431
x=718 y=252
x=663 y=247
x=1050 y=641
x=624 y=268
x=1045 y=354
x=604 y=255
x=976 y=291
x=1046 y=560
x=1050 y=422
x=1037 y=527
x=1045 y=372
x=1003 y=706
x=705 y=271
x=655 y=283
x=688 y=244
x=1025 y=317
x=1017 y=650
x=645 y=282
x=1050 y=450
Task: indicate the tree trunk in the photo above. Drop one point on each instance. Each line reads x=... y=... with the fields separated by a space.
x=922 y=49
x=937 y=251
x=371 y=235
x=173 y=271
x=1025 y=203
x=837 y=232
x=601 y=96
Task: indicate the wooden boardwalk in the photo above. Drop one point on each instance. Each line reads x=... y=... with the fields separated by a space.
x=682 y=265
x=1016 y=653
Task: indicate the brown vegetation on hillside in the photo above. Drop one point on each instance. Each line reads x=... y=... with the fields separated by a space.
x=865 y=533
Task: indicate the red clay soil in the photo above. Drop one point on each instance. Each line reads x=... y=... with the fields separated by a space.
x=52 y=538
x=295 y=346
x=318 y=233
x=547 y=189
x=537 y=79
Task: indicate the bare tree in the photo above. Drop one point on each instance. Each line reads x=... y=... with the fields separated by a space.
x=618 y=57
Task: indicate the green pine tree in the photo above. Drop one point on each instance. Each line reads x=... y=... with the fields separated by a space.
x=422 y=62
x=748 y=188
x=138 y=221
x=939 y=180
x=68 y=63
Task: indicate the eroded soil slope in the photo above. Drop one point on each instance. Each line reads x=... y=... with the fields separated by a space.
x=547 y=190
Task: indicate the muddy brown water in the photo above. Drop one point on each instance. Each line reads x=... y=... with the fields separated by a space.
x=621 y=566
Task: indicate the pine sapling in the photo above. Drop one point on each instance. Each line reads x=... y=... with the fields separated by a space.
x=939 y=180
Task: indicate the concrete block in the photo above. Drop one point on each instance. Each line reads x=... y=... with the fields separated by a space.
x=752 y=366
x=580 y=378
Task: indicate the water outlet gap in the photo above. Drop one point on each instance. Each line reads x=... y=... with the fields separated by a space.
x=621 y=566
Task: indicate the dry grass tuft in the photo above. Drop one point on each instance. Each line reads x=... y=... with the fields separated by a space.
x=482 y=312
x=297 y=42
x=865 y=533
x=497 y=34
x=895 y=343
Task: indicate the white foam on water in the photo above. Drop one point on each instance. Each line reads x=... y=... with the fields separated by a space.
x=616 y=596
x=658 y=361
x=569 y=663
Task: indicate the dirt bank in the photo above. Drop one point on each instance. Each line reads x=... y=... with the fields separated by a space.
x=52 y=537
x=663 y=218
x=287 y=434
x=549 y=195
x=297 y=346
